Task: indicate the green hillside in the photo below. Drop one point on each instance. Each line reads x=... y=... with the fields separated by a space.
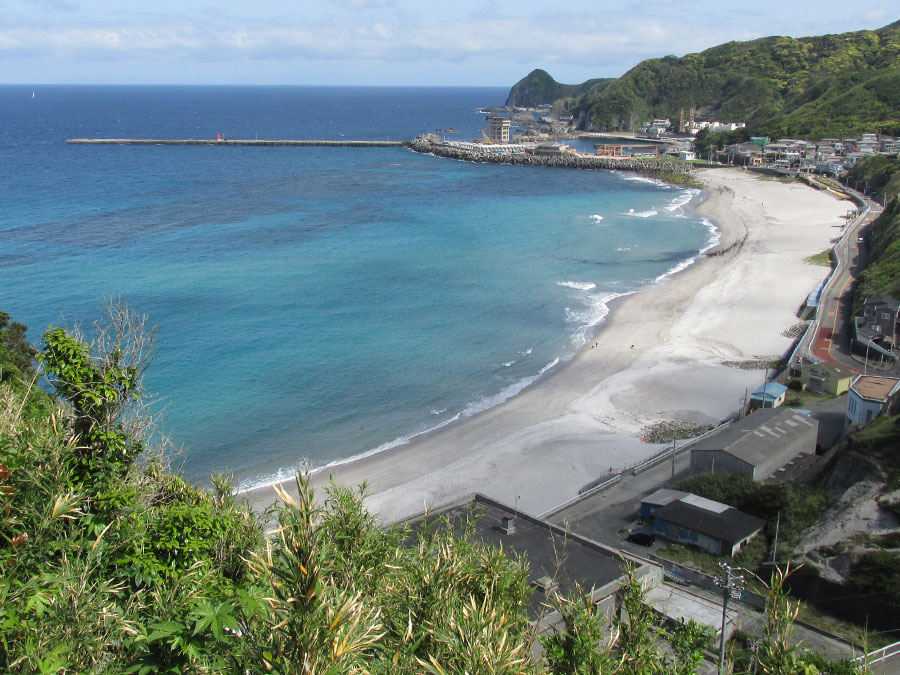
x=538 y=88
x=878 y=175
x=882 y=274
x=780 y=86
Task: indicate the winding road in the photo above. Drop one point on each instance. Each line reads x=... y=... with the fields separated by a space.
x=829 y=337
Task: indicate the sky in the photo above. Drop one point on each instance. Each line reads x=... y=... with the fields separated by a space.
x=384 y=42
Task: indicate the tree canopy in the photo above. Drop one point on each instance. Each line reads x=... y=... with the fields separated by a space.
x=780 y=86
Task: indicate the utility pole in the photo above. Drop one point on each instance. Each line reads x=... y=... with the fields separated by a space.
x=775 y=544
x=754 y=647
x=866 y=366
x=674 y=438
x=730 y=591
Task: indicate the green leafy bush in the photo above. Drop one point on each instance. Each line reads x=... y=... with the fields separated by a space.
x=148 y=574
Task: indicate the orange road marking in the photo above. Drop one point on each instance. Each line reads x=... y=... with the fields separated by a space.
x=834 y=324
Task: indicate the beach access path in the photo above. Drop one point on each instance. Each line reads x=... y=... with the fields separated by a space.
x=665 y=353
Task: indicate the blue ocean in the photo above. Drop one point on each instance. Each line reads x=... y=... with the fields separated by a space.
x=316 y=303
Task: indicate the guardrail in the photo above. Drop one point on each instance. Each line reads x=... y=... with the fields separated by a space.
x=812 y=330
x=599 y=484
x=583 y=493
x=666 y=453
x=879 y=655
x=607 y=481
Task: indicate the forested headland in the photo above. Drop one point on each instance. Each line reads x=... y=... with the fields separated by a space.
x=810 y=87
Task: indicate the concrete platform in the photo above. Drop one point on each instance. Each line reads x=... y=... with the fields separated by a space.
x=677 y=603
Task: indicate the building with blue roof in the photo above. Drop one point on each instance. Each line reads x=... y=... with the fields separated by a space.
x=770 y=395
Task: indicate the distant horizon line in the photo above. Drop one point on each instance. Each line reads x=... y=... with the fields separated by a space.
x=321 y=86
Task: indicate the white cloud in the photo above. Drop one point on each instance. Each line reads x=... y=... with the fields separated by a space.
x=380 y=40
x=360 y=5
x=581 y=43
x=878 y=15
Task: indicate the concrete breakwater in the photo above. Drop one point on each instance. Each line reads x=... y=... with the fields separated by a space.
x=425 y=144
x=242 y=142
x=568 y=161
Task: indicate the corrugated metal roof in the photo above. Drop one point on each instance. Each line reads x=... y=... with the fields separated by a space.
x=664 y=496
x=769 y=390
x=754 y=439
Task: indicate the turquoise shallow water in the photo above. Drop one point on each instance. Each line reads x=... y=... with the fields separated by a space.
x=320 y=302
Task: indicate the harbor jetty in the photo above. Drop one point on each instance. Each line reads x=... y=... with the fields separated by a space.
x=564 y=160
x=240 y=142
x=429 y=144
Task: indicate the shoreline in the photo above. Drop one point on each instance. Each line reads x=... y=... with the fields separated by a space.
x=695 y=196
x=559 y=363
x=659 y=356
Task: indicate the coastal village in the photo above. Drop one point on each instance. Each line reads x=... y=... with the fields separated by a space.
x=647 y=522
x=791 y=430
x=537 y=132
x=710 y=485
x=654 y=522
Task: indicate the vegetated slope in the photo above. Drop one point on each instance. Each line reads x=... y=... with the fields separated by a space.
x=882 y=274
x=780 y=86
x=858 y=539
x=877 y=174
x=538 y=88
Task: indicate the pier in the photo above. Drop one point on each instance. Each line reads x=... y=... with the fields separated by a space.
x=238 y=142
x=427 y=145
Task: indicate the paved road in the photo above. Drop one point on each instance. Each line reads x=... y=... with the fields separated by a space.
x=891 y=667
x=607 y=517
x=831 y=339
x=834 y=333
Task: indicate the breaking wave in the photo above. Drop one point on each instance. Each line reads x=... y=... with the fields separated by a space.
x=578 y=285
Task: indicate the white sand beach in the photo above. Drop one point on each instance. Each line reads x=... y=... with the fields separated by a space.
x=538 y=448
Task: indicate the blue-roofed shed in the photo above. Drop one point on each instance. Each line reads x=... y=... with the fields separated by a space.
x=770 y=395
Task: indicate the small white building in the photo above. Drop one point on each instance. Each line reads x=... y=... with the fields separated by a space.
x=726 y=126
x=783 y=164
x=870 y=395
